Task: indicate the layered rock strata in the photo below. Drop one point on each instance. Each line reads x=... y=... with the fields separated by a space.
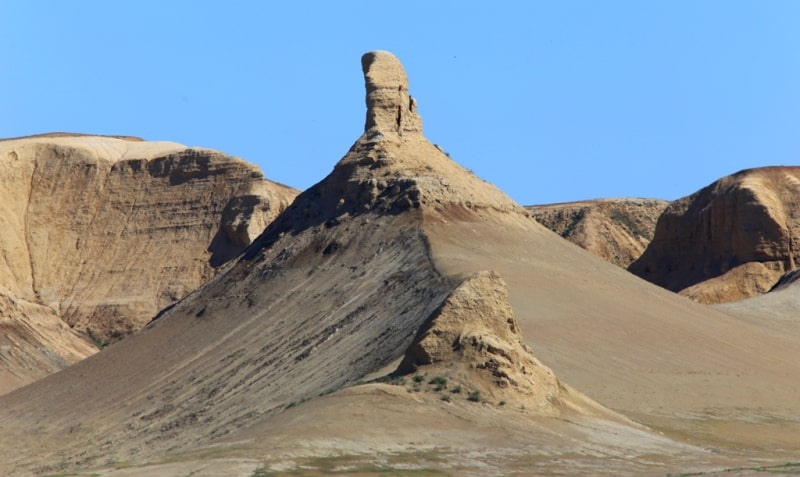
x=103 y=232
x=616 y=230
x=731 y=240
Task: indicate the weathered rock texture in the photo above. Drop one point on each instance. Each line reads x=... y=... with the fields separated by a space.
x=474 y=343
x=34 y=342
x=731 y=240
x=616 y=230
x=390 y=109
x=103 y=232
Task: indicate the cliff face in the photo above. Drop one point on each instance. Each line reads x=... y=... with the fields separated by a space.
x=616 y=230
x=731 y=240
x=103 y=232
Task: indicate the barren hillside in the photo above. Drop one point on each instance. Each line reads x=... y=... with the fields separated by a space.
x=337 y=288
x=731 y=240
x=616 y=230
x=404 y=316
x=103 y=232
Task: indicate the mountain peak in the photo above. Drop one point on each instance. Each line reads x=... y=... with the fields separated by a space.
x=390 y=109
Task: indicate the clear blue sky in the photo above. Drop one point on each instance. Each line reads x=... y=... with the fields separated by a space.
x=551 y=101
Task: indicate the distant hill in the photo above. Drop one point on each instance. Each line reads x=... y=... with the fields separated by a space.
x=616 y=230
x=731 y=240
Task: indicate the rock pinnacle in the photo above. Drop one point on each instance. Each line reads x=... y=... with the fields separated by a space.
x=390 y=109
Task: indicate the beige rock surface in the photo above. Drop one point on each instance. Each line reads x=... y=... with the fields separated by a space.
x=473 y=342
x=342 y=284
x=731 y=240
x=103 y=232
x=616 y=230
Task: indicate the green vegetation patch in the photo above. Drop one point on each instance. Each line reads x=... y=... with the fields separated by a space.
x=356 y=466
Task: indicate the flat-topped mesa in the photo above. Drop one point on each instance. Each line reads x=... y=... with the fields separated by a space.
x=390 y=109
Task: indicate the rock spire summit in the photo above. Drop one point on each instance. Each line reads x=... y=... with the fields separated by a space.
x=390 y=109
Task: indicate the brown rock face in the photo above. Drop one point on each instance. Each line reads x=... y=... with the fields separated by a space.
x=103 y=232
x=731 y=240
x=616 y=230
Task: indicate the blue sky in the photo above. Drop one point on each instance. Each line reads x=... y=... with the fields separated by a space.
x=551 y=101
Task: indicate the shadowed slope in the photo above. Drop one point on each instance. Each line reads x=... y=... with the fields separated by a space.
x=34 y=342
x=319 y=307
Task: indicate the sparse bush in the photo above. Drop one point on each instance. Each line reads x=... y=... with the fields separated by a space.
x=501 y=403
x=419 y=378
x=474 y=396
x=456 y=389
x=440 y=382
x=390 y=379
x=98 y=342
x=445 y=398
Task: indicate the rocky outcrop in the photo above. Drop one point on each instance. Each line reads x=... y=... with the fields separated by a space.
x=616 y=230
x=731 y=240
x=473 y=343
x=390 y=109
x=103 y=232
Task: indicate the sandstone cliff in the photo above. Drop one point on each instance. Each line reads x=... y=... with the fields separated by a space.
x=103 y=232
x=731 y=240
x=616 y=230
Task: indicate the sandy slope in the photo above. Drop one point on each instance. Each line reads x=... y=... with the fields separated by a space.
x=691 y=370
